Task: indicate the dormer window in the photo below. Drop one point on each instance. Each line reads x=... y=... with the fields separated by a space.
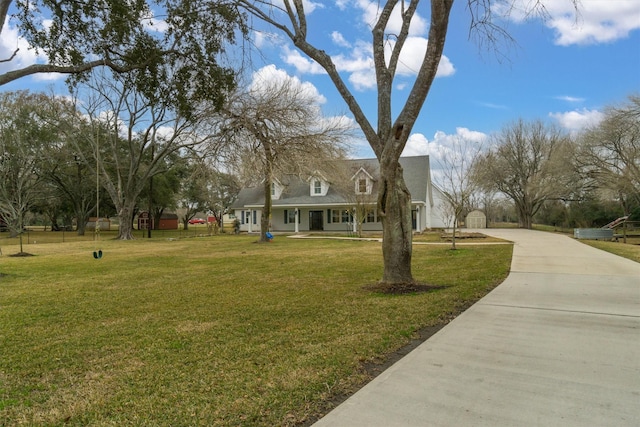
x=363 y=182
x=362 y=185
x=318 y=186
x=276 y=189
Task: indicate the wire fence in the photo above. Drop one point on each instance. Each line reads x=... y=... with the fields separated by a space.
x=37 y=235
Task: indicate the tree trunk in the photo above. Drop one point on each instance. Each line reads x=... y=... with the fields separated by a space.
x=395 y=205
x=81 y=223
x=125 y=230
x=265 y=218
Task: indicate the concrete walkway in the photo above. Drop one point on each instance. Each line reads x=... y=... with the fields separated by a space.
x=557 y=344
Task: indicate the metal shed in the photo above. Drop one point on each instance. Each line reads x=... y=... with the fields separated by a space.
x=476 y=219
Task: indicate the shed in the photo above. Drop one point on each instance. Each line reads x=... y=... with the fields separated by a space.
x=168 y=221
x=476 y=219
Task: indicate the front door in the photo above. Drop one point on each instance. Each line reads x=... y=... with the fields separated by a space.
x=316 y=221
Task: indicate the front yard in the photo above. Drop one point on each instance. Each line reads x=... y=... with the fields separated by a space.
x=214 y=330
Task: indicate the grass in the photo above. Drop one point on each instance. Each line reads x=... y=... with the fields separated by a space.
x=630 y=250
x=216 y=331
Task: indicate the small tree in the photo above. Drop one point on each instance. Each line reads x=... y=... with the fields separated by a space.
x=277 y=128
x=455 y=179
x=346 y=178
x=221 y=191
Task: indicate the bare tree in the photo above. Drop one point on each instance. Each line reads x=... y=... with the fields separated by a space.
x=350 y=180
x=455 y=179
x=278 y=129
x=610 y=153
x=388 y=138
x=530 y=163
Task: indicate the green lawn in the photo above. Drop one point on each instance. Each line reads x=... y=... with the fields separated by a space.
x=210 y=331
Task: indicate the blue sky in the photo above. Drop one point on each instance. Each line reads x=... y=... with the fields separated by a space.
x=564 y=70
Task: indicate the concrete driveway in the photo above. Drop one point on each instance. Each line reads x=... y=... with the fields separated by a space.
x=557 y=344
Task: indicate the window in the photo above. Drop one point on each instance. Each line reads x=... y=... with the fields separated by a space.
x=290 y=216
x=371 y=216
x=273 y=189
x=335 y=215
x=340 y=215
x=362 y=186
x=317 y=187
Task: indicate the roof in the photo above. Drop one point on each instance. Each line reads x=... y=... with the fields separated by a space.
x=296 y=190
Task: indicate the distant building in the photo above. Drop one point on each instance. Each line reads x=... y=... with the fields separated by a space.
x=168 y=221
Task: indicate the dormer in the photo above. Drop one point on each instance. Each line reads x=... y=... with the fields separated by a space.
x=276 y=189
x=318 y=185
x=363 y=182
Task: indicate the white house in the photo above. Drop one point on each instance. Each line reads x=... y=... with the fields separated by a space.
x=319 y=204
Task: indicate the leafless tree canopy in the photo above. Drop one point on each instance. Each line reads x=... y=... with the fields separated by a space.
x=276 y=128
x=610 y=152
x=530 y=163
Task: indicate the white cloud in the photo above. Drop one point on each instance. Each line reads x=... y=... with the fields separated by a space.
x=9 y=43
x=339 y=39
x=342 y=4
x=268 y=74
x=412 y=55
x=363 y=80
x=597 y=21
x=302 y=64
x=575 y=121
x=571 y=99
x=418 y=144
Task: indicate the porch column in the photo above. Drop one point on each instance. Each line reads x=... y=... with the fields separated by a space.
x=418 y=222
x=297 y=211
x=250 y=221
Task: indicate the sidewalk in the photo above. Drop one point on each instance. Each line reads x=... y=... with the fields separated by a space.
x=557 y=344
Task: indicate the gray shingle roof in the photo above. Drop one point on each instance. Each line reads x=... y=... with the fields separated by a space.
x=296 y=191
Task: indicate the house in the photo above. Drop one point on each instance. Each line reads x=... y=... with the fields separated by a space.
x=320 y=203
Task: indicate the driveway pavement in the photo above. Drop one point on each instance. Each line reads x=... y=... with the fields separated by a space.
x=556 y=344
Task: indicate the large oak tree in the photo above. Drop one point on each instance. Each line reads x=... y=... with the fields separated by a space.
x=388 y=135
